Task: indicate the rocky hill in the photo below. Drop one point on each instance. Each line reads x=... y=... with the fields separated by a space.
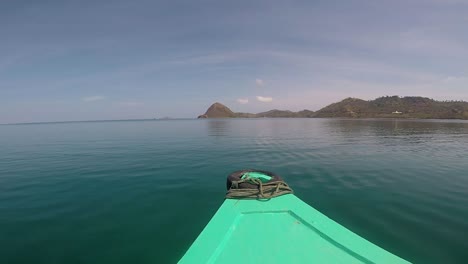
x=286 y=113
x=396 y=107
x=218 y=110
x=382 y=107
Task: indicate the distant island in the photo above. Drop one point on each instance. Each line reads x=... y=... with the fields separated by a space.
x=382 y=107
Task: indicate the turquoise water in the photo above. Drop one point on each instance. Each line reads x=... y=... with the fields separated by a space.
x=141 y=191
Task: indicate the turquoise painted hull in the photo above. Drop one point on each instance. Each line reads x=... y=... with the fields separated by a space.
x=281 y=230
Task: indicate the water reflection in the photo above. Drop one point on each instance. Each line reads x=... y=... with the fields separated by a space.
x=218 y=127
x=398 y=126
x=395 y=131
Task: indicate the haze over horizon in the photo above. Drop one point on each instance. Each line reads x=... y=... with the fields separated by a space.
x=91 y=60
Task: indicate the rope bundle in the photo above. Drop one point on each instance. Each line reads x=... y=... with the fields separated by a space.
x=263 y=191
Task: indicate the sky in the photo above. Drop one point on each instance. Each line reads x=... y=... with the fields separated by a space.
x=91 y=60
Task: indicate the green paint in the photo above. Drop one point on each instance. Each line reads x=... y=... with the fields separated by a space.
x=256 y=175
x=281 y=230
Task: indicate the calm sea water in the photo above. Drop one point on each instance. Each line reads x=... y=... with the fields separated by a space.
x=141 y=191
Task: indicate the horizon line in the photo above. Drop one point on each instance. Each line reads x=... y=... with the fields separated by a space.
x=97 y=120
x=148 y=119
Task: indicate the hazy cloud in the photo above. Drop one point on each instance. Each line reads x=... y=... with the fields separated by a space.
x=93 y=98
x=324 y=53
x=211 y=58
x=243 y=100
x=259 y=82
x=131 y=103
x=264 y=99
x=455 y=79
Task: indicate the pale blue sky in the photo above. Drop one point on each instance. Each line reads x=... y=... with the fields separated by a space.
x=88 y=60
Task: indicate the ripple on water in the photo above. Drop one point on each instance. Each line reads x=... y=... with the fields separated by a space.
x=121 y=191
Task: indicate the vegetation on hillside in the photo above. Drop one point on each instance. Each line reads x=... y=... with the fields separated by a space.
x=218 y=110
x=382 y=107
x=396 y=107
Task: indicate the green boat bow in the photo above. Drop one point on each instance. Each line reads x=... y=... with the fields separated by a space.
x=283 y=229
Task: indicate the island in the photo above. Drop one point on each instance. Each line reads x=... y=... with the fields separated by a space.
x=382 y=107
x=218 y=110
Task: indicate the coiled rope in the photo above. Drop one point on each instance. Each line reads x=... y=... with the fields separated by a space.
x=265 y=190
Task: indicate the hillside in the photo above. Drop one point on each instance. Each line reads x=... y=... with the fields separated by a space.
x=218 y=110
x=382 y=107
x=396 y=107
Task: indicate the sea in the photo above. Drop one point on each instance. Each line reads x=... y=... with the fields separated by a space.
x=141 y=191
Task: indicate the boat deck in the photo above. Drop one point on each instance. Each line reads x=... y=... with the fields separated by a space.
x=281 y=230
